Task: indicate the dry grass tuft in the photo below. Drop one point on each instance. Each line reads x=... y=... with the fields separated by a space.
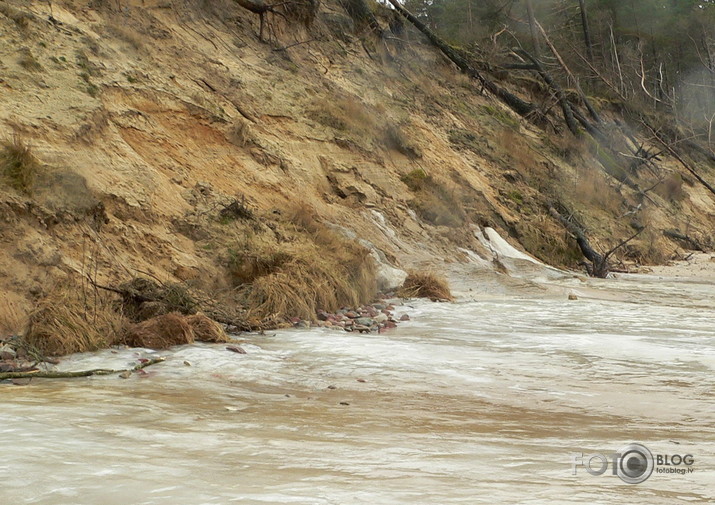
x=18 y=166
x=671 y=189
x=73 y=318
x=160 y=332
x=206 y=329
x=12 y=319
x=425 y=285
x=313 y=268
x=593 y=189
x=22 y=19
x=303 y=11
x=432 y=201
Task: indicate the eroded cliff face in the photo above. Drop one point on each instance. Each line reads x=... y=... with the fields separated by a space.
x=148 y=119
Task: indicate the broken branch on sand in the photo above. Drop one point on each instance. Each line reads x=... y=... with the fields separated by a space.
x=83 y=373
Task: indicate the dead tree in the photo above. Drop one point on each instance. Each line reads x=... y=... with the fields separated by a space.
x=586 y=30
x=599 y=267
x=558 y=91
x=532 y=28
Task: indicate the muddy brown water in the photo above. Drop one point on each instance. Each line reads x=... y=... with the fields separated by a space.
x=480 y=401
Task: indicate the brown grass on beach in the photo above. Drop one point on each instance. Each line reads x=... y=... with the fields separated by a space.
x=73 y=319
x=425 y=285
x=206 y=329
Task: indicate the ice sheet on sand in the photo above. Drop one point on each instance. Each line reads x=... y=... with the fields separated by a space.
x=500 y=247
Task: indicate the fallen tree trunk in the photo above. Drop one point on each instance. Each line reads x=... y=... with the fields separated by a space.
x=688 y=241
x=558 y=91
x=675 y=155
x=521 y=107
x=39 y=374
x=581 y=94
x=599 y=266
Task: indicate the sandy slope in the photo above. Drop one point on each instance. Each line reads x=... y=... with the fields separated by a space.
x=149 y=118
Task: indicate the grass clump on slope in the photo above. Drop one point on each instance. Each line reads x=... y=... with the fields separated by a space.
x=18 y=166
x=312 y=267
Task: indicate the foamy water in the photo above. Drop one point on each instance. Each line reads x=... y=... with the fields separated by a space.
x=478 y=401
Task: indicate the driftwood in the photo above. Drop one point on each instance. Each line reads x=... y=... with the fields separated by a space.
x=39 y=374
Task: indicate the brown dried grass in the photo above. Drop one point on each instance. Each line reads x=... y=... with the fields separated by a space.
x=206 y=329
x=73 y=318
x=593 y=189
x=317 y=268
x=18 y=166
x=430 y=285
x=12 y=318
x=160 y=332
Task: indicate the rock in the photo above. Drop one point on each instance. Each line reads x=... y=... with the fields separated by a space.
x=323 y=316
x=160 y=332
x=361 y=380
x=388 y=277
x=302 y=324
x=352 y=315
x=187 y=363
x=365 y=321
x=379 y=306
x=573 y=296
x=344 y=403
x=237 y=349
x=404 y=317
x=125 y=375
x=361 y=328
x=332 y=387
x=380 y=318
x=7 y=353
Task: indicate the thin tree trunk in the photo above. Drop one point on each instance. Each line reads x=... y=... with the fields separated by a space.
x=618 y=63
x=586 y=30
x=566 y=69
x=532 y=28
